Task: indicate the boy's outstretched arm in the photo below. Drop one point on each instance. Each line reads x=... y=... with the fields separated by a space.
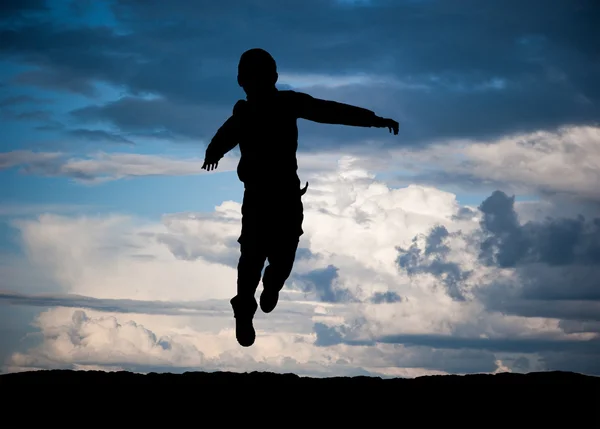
x=225 y=139
x=332 y=112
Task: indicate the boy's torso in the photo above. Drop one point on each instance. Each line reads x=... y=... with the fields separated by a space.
x=268 y=141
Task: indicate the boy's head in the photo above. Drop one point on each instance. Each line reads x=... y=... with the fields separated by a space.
x=257 y=71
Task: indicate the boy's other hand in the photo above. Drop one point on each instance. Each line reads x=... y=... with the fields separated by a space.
x=389 y=124
x=210 y=165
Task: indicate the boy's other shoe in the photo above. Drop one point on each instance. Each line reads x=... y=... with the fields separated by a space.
x=268 y=300
x=244 y=313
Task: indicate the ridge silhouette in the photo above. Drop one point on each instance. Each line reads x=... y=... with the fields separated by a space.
x=265 y=127
x=253 y=399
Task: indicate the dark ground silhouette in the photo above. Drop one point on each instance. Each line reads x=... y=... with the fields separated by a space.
x=265 y=127
x=222 y=399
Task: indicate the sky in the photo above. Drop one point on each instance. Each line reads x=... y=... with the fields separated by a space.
x=468 y=243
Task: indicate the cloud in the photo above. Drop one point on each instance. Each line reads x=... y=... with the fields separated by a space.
x=560 y=164
x=211 y=237
x=321 y=281
x=464 y=77
x=553 y=242
x=525 y=345
x=143 y=115
x=33 y=160
x=350 y=306
x=32 y=115
x=554 y=262
x=117 y=257
x=116 y=305
x=14 y=10
x=101 y=167
x=392 y=280
x=21 y=99
x=99 y=135
x=90 y=341
x=79 y=340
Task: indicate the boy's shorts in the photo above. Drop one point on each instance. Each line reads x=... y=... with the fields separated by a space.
x=271 y=216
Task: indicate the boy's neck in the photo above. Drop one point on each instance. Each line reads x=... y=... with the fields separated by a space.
x=265 y=94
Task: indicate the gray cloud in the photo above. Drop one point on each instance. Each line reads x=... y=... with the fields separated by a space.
x=342 y=334
x=136 y=115
x=31 y=115
x=210 y=307
x=184 y=247
x=473 y=75
x=22 y=99
x=33 y=160
x=385 y=297
x=433 y=261
x=510 y=345
x=214 y=307
x=552 y=242
x=328 y=335
x=99 y=135
x=416 y=351
x=101 y=167
x=322 y=282
x=556 y=262
x=467 y=355
x=571 y=312
x=18 y=9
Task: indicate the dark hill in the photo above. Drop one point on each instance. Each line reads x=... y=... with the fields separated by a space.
x=197 y=399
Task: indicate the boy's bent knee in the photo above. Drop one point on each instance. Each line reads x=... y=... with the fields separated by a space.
x=244 y=305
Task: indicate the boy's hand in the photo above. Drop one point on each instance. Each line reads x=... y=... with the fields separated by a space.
x=210 y=165
x=389 y=124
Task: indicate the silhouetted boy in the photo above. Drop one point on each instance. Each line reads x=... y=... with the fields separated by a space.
x=264 y=125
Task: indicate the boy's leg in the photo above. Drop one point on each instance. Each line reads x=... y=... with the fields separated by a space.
x=282 y=249
x=281 y=261
x=250 y=265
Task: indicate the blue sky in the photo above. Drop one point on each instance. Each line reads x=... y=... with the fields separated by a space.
x=106 y=109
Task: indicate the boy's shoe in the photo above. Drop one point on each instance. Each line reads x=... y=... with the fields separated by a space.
x=244 y=330
x=268 y=300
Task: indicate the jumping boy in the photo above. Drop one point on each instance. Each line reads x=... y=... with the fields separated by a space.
x=264 y=125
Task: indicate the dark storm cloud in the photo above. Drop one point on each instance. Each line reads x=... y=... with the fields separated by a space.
x=155 y=116
x=569 y=311
x=556 y=262
x=469 y=182
x=433 y=261
x=507 y=345
x=22 y=99
x=332 y=335
x=552 y=242
x=466 y=355
x=15 y=9
x=423 y=353
x=577 y=326
x=385 y=297
x=33 y=115
x=577 y=362
x=321 y=281
x=556 y=246
x=114 y=305
x=327 y=335
x=464 y=68
x=210 y=307
x=539 y=290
